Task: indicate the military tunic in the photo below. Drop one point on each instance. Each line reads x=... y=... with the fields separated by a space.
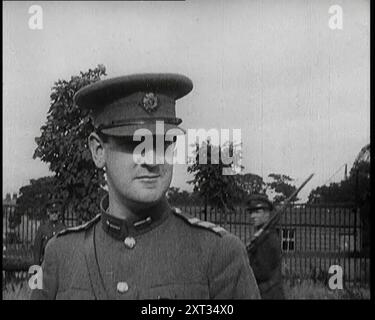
x=265 y=260
x=167 y=256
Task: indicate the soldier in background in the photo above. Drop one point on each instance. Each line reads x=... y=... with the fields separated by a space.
x=265 y=258
x=48 y=229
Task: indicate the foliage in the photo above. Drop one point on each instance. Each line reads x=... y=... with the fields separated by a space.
x=355 y=189
x=224 y=191
x=281 y=185
x=334 y=193
x=63 y=145
x=251 y=183
x=33 y=197
x=364 y=155
x=182 y=197
x=218 y=189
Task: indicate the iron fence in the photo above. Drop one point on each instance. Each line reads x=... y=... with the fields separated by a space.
x=312 y=239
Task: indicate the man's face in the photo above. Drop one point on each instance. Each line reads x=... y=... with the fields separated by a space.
x=53 y=213
x=141 y=183
x=260 y=216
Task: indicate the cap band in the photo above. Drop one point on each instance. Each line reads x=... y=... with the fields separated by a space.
x=138 y=121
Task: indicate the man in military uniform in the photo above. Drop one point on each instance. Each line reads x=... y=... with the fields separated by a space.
x=48 y=229
x=265 y=257
x=138 y=247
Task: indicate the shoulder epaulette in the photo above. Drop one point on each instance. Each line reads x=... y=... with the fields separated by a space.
x=81 y=227
x=199 y=223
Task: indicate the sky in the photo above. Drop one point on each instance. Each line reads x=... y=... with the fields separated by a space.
x=298 y=90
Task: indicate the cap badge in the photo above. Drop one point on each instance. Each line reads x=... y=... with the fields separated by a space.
x=150 y=102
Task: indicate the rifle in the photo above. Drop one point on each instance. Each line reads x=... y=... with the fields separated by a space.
x=262 y=232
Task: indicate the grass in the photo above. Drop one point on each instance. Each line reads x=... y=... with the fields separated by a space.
x=307 y=290
x=17 y=291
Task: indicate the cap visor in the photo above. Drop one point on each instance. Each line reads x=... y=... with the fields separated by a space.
x=131 y=130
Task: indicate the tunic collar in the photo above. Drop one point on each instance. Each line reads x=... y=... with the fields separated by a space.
x=121 y=228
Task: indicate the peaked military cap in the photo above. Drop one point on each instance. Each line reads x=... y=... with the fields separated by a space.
x=54 y=202
x=259 y=201
x=124 y=104
x=54 y=198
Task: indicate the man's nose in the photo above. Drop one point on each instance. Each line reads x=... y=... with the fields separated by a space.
x=153 y=158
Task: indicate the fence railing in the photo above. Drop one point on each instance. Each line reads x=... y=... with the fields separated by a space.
x=312 y=238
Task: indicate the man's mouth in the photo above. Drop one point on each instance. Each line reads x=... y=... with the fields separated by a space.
x=148 y=177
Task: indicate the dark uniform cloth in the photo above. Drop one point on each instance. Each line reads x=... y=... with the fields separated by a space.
x=164 y=256
x=45 y=232
x=265 y=260
x=265 y=257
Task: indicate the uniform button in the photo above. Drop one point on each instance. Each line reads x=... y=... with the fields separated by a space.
x=54 y=233
x=129 y=242
x=122 y=287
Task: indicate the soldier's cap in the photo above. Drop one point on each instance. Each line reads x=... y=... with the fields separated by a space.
x=122 y=105
x=54 y=201
x=259 y=201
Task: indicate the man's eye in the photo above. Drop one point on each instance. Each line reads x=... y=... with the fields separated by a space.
x=170 y=145
x=127 y=145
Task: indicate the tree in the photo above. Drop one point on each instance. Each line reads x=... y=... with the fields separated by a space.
x=182 y=197
x=282 y=185
x=218 y=190
x=341 y=192
x=33 y=197
x=63 y=145
x=354 y=189
x=251 y=183
x=175 y=196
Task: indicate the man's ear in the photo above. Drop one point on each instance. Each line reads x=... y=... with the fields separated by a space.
x=96 y=146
